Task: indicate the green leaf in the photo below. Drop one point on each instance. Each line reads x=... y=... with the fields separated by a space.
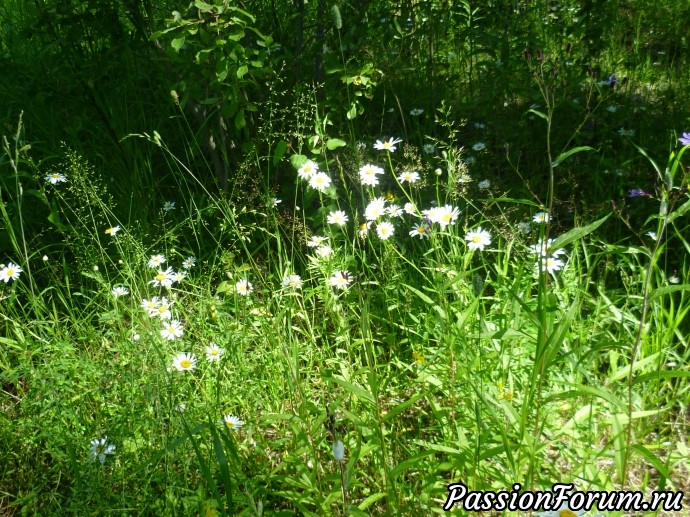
x=538 y=113
x=241 y=71
x=371 y=500
x=281 y=147
x=680 y=211
x=576 y=233
x=561 y=157
x=239 y=120
x=334 y=143
x=402 y=407
x=663 y=374
x=177 y=43
x=358 y=391
x=662 y=291
x=297 y=160
x=352 y=112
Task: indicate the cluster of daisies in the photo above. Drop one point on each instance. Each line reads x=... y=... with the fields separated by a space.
x=381 y=212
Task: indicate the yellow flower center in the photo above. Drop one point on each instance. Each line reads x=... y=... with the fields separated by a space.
x=10 y=272
x=230 y=424
x=185 y=363
x=476 y=239
x=160 y=277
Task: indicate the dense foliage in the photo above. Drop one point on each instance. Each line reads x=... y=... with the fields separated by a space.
x=327 y=258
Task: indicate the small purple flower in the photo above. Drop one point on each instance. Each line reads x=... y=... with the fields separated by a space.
x=638 y=192
x=685 y=139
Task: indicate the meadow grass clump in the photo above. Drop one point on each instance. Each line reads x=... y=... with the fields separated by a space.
x=459 y=257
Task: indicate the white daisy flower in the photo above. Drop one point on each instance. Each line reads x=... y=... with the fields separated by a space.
x=541 y=217
x=429 y=148
x=244 y=287
x=162 y=309
x=388 y=145
x=408 y=177
x=420 y=230
x=551 y=264
x=384 y=230
x=363 y=229
x=544 y=248
x=163 y=278
x=120 y=291
x=443 y=215
x=172 y=330
x=189 y=262
x=394 y=211
x=9 y=272
x=316 y=240
x=324 y=251
x=368 y=175
x=320 y=181
x=214 y=353
x=410 y=208
x=340 y=279
x=307 y=170
x=479 y=146
x=112 y=231
x=484 y=185
x=178 y=276
x=55 y=177
x=673 y=279
x=375 y=209
x=337 y=217
x=232 y=422
x=100 y=448
x=156 y=261
x=150 y=305
x=478 y=239
x=293 y=282
x=168 y=205
x=184 y=362
x=416 y=112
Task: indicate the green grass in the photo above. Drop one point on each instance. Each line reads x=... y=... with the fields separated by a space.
x=437 y=363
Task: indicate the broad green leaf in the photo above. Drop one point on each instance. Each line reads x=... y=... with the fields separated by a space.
x=358 y=391
x=577 y=233
x=561 y=157
x=625 y=371
x=680 y=211
x=177 y=43
x=334 y=143
x=281 y=147
x=402 y=407
x=297 y=160
x=663 y=374
x=663 y=291
x=241 y=71
x=371 y=500
x=239 y=120
x=352 y=112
